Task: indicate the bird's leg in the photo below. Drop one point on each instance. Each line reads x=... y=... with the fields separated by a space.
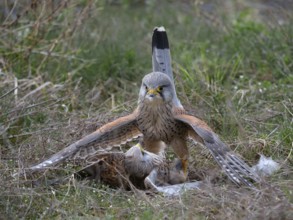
x=156 y=147
x=184 y=166
x=180 y=148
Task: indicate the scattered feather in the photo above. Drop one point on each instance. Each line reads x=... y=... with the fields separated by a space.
x=266 y=166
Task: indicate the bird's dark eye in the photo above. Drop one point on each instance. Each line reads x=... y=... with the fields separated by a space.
x=145 y=86
x=160 y=88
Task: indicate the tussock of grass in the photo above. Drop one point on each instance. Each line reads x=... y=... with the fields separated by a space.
x=67 y=68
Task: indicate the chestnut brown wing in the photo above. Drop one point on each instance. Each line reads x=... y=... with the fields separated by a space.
x=235 y=168
x=118 y=132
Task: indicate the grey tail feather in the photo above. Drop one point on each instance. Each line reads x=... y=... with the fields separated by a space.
x=161 y=57
x=161 y=52
x=160 y=39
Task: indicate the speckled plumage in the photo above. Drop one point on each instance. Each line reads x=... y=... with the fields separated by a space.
x=160 y=120
x=118 y=169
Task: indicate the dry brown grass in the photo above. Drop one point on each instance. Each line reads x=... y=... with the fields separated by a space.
x=54 y=127
x=52 y=93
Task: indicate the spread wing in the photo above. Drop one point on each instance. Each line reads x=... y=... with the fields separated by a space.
x=118 y=132
x=235 y=168
x=161 y=56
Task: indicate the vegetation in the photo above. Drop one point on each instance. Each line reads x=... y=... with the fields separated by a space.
x=66 y=68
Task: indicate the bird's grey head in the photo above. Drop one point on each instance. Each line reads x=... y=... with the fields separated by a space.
x=156 y=87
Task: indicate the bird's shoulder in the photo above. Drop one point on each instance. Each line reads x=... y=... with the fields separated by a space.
x=182 y=115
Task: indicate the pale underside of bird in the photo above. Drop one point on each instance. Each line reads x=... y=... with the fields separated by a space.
x=161 y=121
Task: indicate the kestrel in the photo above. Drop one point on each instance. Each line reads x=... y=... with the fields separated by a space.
x=161 y=121
x=119 y=169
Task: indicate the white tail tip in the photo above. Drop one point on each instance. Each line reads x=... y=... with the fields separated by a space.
x=162 y=29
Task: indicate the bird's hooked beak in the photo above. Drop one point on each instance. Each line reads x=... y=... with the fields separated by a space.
x=154 y=94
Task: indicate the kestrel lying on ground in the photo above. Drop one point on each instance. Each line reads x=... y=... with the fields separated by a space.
x=161 y=121
x=118 y=169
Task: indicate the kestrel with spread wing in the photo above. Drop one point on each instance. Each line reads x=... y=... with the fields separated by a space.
x=161 y=121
